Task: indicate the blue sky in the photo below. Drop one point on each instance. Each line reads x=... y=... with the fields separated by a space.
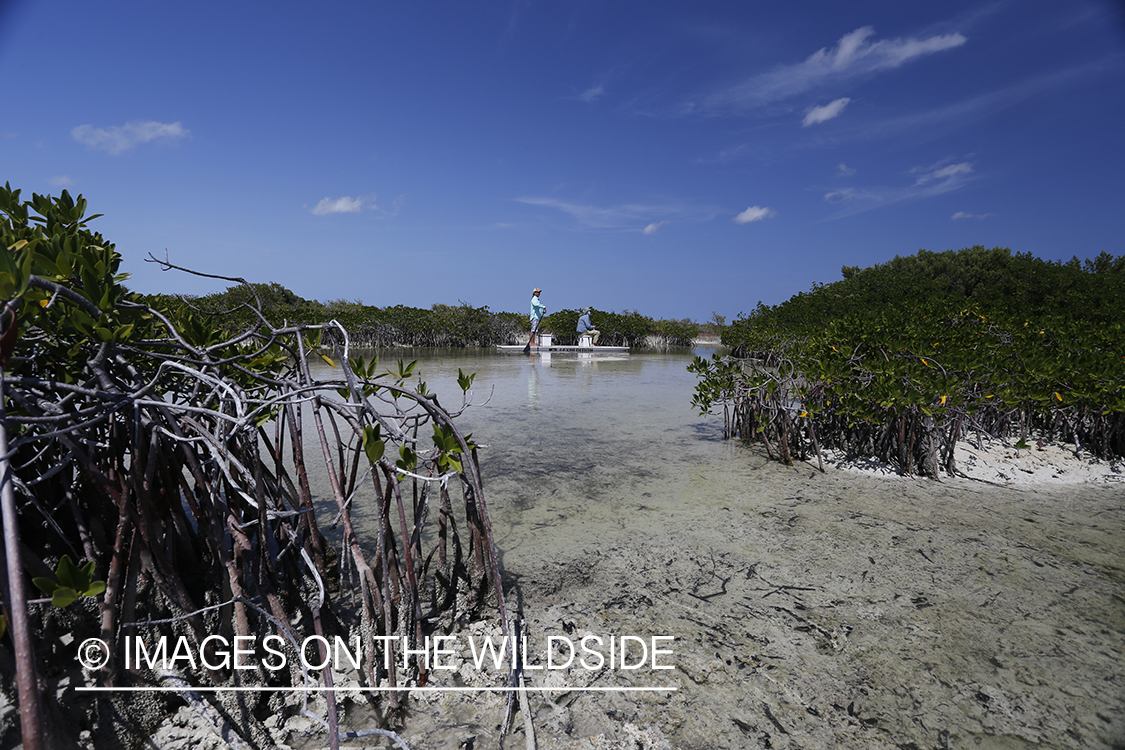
x=675 y=158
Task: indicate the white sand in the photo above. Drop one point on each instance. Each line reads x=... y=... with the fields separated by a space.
x=1000 y=462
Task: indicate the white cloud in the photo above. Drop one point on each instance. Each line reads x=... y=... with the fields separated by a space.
x=843 y=170
x=651 y=228
x=348 y=205
x=592 y=94
x=754 y=213
x=855 y=55
x=345 y=205
x=118 y=139
x=967 y=215
x=61 y=181
x=825 y=113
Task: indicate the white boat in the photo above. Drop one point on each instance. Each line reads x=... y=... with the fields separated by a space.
x=546 y=346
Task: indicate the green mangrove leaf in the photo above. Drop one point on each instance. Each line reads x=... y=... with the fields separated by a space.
x=67 y=573
x=64 y=596
x=373 y=446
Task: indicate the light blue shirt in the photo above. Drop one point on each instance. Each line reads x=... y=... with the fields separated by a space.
x=584 y=323
x=537 y=307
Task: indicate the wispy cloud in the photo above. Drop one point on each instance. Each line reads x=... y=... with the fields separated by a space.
x=966 y=215
x=598 y=87
x=592 y=94
x=825 y=113
x=61 y=180
x=843 y=170
x=118 y=139
x=754 y=213
x=727 y=155
x=969 y=112
x=641 y=217
x=847 y=195
x=941 y=172
x=856 y=55
x=348 y=205
x=936 y=179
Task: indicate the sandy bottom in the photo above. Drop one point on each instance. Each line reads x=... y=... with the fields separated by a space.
x=836 y=610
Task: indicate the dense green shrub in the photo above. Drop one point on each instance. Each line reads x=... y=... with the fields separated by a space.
x=901 y=360
x=994 y=279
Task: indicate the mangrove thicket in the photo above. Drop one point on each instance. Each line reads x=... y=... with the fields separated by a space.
x=902 y=360
x=173 y=473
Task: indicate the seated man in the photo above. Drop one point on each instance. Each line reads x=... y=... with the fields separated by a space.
x=586 y=327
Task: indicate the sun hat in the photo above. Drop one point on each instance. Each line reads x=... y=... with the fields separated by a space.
x=536 y=289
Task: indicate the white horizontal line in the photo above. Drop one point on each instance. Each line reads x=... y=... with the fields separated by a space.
x=321 y=689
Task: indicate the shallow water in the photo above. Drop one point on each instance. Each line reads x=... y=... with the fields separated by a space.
x=569 y=440
x=809 y=609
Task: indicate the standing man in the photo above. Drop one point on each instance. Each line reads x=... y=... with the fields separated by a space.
x=537 y=311
x=585 y=326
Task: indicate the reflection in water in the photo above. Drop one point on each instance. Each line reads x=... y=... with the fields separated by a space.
x=533 y=385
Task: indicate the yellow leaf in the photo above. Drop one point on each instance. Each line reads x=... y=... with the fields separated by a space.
x=1058 y=396
x=943 y=399
x=328 y=360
